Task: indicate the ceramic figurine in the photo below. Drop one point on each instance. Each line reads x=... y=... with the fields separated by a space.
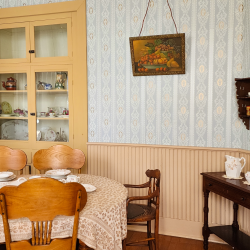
x=61 y=78
x=48 y=86
x=40 y=85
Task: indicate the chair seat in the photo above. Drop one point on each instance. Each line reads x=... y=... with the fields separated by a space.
x=139 y=212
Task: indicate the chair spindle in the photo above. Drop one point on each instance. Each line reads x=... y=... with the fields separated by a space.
x=37 y=231
x=45 y=233
x=49 y=233
x=41 y=232
x=33 y=233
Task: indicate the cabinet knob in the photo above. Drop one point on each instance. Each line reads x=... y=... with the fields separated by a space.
x=210 y=185
x=33 y=114
x=31 y=51
x=242 y=198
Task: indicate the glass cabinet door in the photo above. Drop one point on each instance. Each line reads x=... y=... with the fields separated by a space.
x=13 y=107
x=51 y=40
x=52 y=106
x=14 y=43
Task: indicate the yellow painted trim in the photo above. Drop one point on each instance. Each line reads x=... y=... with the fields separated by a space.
x=69 y=38
x=41 y=9
x=75 y=14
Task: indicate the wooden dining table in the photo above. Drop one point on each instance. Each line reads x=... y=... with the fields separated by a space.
x=102 y=222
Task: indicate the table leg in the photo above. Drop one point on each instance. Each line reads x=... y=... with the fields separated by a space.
x=205 y=229
x=235 y=222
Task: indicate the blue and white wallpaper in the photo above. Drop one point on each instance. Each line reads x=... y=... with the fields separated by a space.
x=198 y=108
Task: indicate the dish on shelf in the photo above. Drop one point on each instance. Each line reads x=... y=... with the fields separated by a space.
x=38 y=135
x=43 y=132
x=7 y=115
x=64 y=116
x=50 y=135
x=6 y=108
x=14 y=130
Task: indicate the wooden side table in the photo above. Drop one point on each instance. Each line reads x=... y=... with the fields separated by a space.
x=235 y=191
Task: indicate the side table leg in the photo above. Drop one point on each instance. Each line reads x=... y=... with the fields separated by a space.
x=205 y=229
x=235 y=222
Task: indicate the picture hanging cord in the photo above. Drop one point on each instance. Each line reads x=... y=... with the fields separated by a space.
x=147 y=13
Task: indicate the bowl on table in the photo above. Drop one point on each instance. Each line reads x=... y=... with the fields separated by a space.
x=58 y=173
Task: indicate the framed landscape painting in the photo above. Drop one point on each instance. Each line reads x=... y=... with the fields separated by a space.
x=158 y=55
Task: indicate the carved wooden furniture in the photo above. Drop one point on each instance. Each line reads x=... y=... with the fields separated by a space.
x=59 y=157
x=243 y=87
x=13 y=159
x=235 y=191
x=137 y=213
x=39 y=42
x=41 y=200
x=102 y=222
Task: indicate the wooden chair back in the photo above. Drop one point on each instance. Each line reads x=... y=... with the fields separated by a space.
x=154 y=185
x=59 y=157
x=41 y=200
x=12 y=159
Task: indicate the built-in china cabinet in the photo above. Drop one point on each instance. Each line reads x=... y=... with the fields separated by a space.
x=43 y=77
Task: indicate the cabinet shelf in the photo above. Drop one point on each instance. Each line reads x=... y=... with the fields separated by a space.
x=243 y=97
x=13 y=91
x=13 y=118
x=52 y=118
x=242 y=89
x=52 y=91
x=234 y=238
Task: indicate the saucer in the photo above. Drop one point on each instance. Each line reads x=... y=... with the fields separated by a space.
x=89 y=188
x=232 y=178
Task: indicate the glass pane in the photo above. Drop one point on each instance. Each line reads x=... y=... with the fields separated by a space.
x=51 y=40
x=12 y=43
x=13 y=107
x=52 y=106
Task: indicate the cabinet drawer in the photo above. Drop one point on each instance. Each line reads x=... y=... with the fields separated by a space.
x=226 y=191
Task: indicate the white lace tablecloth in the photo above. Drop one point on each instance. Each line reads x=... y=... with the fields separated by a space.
x=102 y=222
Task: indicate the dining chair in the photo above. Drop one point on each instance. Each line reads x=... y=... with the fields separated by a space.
x=12 y=159
x=138 y=213
x=59 y=157
x=40 y=200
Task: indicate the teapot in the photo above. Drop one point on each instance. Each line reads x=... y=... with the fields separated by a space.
x=233 y=166
x=10 y=84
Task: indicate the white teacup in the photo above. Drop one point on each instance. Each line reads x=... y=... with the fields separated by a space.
x=73 y=178
x=247 y=175
x=51 y=114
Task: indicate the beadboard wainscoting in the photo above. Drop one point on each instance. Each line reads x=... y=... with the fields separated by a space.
x=181 y=208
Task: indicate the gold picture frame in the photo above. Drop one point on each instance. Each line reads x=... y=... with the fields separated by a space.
x=158 y=55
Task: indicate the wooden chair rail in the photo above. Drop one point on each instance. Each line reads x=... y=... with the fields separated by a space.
x=144 y=185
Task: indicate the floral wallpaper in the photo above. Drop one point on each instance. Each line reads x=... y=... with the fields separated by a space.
x=198 y=108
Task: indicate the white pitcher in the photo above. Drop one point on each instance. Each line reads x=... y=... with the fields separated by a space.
x=233 y=166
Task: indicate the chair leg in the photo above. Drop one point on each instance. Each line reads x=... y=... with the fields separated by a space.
x=124 y=244
x=157 y=234
x=150 y=245
x=83 y=246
